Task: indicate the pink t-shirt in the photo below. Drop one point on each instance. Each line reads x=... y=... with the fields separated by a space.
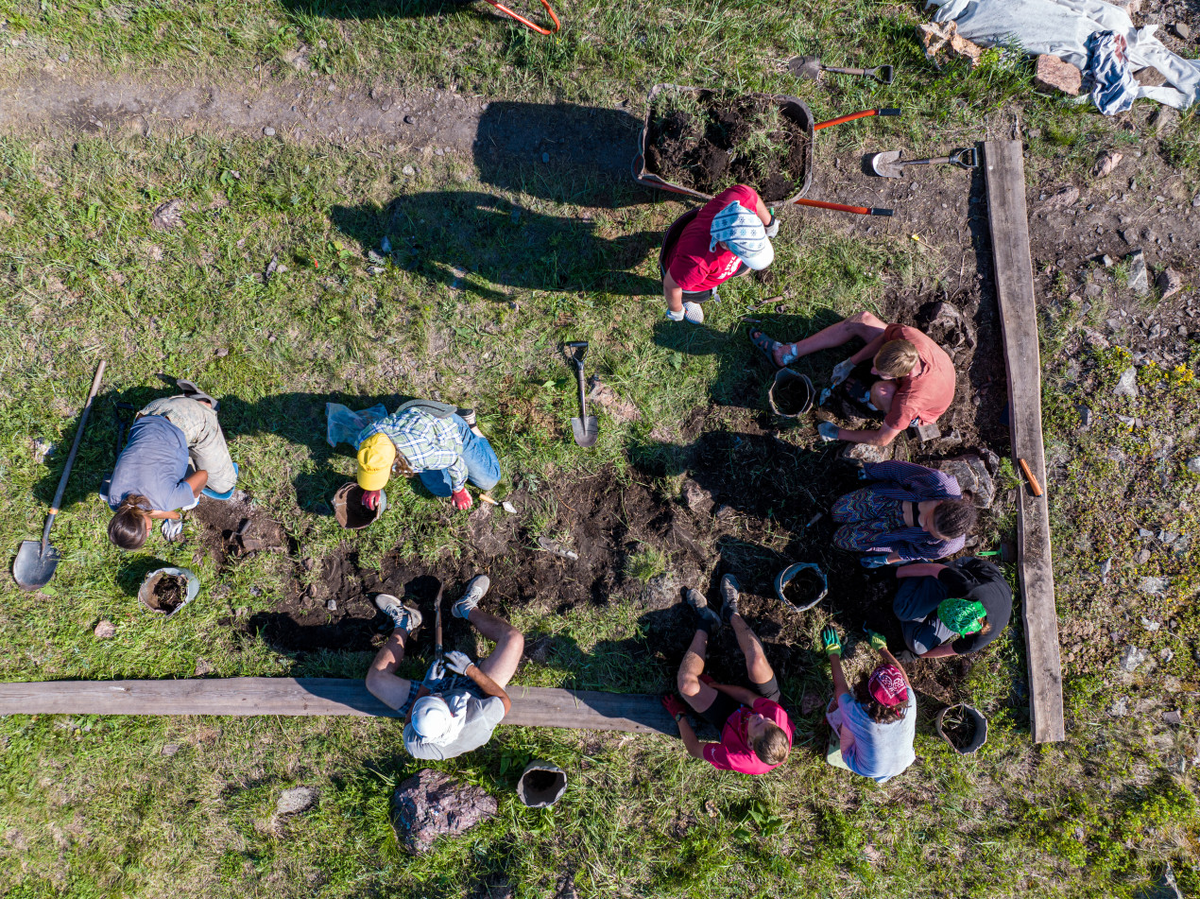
x=693 y=265
x=927 y=394
x=733 y=753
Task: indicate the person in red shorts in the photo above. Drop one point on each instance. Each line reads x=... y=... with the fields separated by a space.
x=729 y=236
x=756 y=734
x=910 y=380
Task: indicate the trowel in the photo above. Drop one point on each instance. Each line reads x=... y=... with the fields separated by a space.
x=890 y=165
x=810 y=67
x=586 y=427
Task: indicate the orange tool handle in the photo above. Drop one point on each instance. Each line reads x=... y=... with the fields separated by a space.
x=1034 y=487
x=841 y=207
x=524 y=21
x=854 y=115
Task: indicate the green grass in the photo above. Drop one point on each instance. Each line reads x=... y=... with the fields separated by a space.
x=473 y=304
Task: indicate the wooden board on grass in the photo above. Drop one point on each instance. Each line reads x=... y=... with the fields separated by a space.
x=1004 y=173
x=242 y=696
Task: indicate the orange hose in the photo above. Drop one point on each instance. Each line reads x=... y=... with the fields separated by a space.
x=524 y=21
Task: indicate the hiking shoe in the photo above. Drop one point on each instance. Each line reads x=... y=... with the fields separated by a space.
x=467 y=415
x=700 y=604
x=730 y=588
x=405 y=618
x=475 y=591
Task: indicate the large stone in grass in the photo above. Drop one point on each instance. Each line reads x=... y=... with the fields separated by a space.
x=430 y=805
x=1052 y=73
x=864 y=452
x=972 y=476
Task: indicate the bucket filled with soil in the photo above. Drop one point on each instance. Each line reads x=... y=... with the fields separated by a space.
x=167 y=590
x=541 y=785
x=802 y=585
x=791 y=395
x=699 y=142
x=349 y=510
x=963 y=727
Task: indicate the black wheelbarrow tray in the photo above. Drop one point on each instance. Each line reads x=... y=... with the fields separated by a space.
x=791 y=108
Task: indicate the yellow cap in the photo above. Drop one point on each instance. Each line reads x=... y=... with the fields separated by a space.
x=375 y=457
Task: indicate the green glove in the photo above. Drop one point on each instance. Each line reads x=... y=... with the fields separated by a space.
x=833 y=643
x=878 y=640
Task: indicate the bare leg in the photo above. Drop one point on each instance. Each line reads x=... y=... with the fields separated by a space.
x=501 y=665
x=697 y=694
x=382 y=681
x=757 y=667
x=882 y=393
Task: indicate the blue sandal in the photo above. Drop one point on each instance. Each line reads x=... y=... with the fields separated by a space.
x=766 y=346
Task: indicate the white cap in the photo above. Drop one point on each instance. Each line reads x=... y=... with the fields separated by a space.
x=742 y=231
x=431 y=718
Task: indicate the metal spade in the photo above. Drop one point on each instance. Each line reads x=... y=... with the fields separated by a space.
x=36 y=561
x=586 y=428
x=890 y=165
x=810 y=67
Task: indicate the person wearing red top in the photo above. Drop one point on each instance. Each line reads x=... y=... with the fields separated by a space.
x=756 y=734
x=729 y=236
x=914 y=376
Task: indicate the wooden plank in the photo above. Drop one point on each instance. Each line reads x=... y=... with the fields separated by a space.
x=1009 y=223
x=243 y=696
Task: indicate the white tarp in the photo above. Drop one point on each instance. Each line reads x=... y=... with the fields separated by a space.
x=1061 y=28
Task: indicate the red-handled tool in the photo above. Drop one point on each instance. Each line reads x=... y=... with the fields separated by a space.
x=841 y=207
x=891 y=110
x=524 y=21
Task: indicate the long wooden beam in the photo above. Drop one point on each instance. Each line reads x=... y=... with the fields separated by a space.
x=243 y=696
x=1009 y=223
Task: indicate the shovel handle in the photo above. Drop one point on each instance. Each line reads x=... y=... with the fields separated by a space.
x=437 y=637
x=841 y=207
x=856 y=115
x=524 y=21
x=838 y=70
x=83 y=417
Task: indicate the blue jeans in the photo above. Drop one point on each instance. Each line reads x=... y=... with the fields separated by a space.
x=916 y=606
x=483 y=468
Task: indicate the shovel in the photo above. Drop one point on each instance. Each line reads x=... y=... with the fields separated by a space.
x=586 y=428
x=437 y=635
x=810 y=67
x=35 y=562
x=889 y=165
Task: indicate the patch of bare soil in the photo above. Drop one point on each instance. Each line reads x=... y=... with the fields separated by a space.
x=237 y=527
x=711 y=140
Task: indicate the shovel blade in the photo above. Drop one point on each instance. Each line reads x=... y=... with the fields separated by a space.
x=32 y=569
x=805 y=67
x=586 y=430
x=888 y=164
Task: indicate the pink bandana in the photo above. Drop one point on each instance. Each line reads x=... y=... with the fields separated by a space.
x=887 y=685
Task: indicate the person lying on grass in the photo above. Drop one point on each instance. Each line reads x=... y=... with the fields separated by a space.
x=458 y=705
x=756 y=734
x=947 y=610
x=900 y=373
x=910 y=513
x=444 y=449
x=871 y=729
x=729 y=236
x=151 y=481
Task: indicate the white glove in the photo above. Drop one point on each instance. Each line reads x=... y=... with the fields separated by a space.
x=828 y=431
x=172 y=528
x=842 y=370
x=436 y=672
x=458 y=662
x=772 y=227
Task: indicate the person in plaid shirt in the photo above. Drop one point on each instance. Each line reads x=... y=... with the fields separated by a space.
x=444 y=449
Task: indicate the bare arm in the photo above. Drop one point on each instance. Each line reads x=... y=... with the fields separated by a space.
x=891 y=659
x=197 y=481
x=489 y=686
x=920 y=569
x=673 y=293
x=883 y=437
x=763 y=213
x=840 y=689
x=690 y=741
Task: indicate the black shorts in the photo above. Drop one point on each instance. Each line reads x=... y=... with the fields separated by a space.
x=725 y=705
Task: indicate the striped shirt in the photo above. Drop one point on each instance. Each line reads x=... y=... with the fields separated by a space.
x=911 y=483
x=427 y=442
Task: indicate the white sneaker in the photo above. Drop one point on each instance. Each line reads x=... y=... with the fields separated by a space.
x=693 y=312
x=405 y=618
x=476 y=590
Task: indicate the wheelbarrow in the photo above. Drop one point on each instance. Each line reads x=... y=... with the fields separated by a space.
x=789 y=107
x=524 y=21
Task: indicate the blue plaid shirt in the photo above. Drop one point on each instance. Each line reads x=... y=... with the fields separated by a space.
x=428 y=443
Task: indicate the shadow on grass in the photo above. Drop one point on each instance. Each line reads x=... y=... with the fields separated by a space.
x=473 y=240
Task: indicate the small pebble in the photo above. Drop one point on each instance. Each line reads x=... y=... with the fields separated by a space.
x=269 y=131
x=105 y=630
x=408 y=170
x=409 y=120
x=331 y=605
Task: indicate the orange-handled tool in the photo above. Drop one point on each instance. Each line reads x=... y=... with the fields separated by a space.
x=1034 y=487
x=891 y=110
x=524 y=21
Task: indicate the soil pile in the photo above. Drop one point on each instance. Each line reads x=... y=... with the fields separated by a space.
x=711 y=140
x=168 y=593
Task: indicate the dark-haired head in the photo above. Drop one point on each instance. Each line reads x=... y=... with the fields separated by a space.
x=130 y=524
x=954 y=517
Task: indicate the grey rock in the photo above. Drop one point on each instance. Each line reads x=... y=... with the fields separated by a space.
x=269 y=131
x=331 y=605
x=1142 y=558
x=430 y=805
x=1150 y=625
x=105 y=630
x=1139 y=274
x=1131 y=658
x=1181 y=31
x=1144 y=533
x=1119 y=707
x=696 y=497
x=1174 y=717
x=1169 y=281
x=1163 y=888
x=1127 y=383
x=171 y=748
x=295 y=801
x=972 y=475
x=1166 y=536
x=1062 y=198
x=1164 y=120
x=1154 y=585
x=864 y=452
x=1193 y=465
x=408 y=170
x=661 y=592
x=202 y=668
